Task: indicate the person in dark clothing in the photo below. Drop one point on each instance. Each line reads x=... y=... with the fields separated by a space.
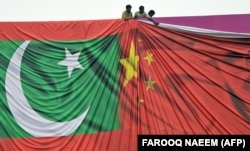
x=150 y=15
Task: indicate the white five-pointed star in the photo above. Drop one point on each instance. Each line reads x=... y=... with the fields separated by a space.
x=71 y=61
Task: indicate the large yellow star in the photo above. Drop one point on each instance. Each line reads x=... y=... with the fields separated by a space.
x=149 y=58
x=130 y=64
x=150 y=83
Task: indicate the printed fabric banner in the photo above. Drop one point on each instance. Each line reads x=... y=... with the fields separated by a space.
x=97 y=85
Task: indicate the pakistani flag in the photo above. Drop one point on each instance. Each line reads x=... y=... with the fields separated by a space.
x=58 y=88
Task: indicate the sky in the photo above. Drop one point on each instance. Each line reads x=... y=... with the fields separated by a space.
x=65 y=10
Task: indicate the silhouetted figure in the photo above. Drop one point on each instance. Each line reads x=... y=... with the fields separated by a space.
x=141 y=13
x=127 y=14
x=150 y=15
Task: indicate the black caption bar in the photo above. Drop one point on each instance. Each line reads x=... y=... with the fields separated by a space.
x=193 y=142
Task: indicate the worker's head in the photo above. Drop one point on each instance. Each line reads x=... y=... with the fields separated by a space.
x=151 y=13
x=128 y=8
x=141 y=9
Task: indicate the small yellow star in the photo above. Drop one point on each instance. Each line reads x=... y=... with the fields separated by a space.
x=130 y=64
x=141 y=100
x=150 y=83
x=149 y=58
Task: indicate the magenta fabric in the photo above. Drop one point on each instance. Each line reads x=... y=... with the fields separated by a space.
x=239 y=23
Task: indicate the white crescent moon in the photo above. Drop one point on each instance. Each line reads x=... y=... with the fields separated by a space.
x=25 y=116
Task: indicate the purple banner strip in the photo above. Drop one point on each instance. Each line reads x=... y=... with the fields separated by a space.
x=239 y=23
